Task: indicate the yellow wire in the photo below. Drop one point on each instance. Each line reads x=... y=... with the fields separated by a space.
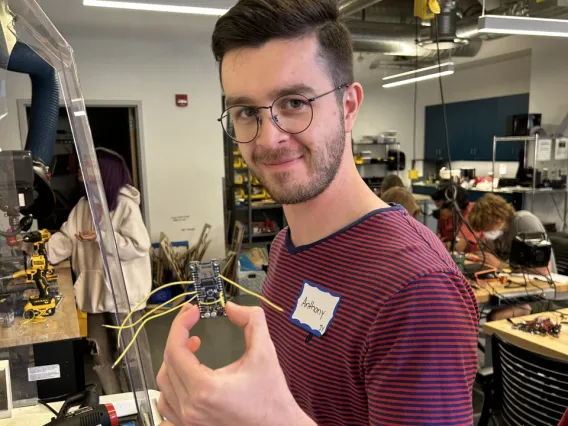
x=123 y=354
x=157 y=308
x=149 y=317
x=145 y=299
x=252 y=293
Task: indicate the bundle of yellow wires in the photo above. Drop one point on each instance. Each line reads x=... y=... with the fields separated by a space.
x=149 y=315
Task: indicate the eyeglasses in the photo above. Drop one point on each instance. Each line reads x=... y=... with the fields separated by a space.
x=292 y=114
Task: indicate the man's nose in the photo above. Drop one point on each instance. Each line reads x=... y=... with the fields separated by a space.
x=270 y=135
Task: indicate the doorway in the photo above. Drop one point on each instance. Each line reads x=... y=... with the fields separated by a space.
x=112 y=127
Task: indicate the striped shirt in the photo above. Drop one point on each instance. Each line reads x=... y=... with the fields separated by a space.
x=401 y=349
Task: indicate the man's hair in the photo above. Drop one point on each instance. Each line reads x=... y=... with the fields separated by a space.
x=252 y=23
x=488 y=211
x=391 y=181
x=403 y=197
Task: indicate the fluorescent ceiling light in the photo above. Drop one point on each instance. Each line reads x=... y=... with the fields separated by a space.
x=427 y=73
x=153 y=7
x=523 y=25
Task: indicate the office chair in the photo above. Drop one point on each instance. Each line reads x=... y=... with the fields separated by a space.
x=527 y=388
x=559 y=242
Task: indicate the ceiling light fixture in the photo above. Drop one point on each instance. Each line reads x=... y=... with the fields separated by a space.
x=447 y=68
x=522 y=25
x=153 y=7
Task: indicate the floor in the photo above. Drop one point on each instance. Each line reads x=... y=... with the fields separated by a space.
x=221 y=344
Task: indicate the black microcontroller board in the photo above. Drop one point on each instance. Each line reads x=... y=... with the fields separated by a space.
x=209 y=288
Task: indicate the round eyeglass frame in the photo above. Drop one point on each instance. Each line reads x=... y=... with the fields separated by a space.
x=225 y=114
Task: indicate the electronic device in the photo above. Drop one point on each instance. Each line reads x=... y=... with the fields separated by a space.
x=523 y=124
x=530 y=250
x=209 y=288
x=16 y=184
x=89 y=413
x=396 y=160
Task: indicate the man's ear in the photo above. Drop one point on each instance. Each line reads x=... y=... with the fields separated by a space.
x=352 y=101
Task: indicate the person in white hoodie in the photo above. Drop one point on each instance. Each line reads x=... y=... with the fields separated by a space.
x=77 y=240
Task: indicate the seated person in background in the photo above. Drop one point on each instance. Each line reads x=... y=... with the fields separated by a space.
x=500 y=224
x=466 y=241
x=403 y=197
x=390 y=181
x=445 y=223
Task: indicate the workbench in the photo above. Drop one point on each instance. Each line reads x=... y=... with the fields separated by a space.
x=38 y=415
x=555 y=347
x=63 y=325
x=535 y=288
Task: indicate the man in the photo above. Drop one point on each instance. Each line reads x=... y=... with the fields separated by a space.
x=390 y=181
x=466 y=241
x=378 y=327
x=500 y=225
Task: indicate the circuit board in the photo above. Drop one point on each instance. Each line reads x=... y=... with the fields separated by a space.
x=209 y=288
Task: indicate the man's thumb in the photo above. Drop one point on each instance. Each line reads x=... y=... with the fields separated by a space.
x=240 y=315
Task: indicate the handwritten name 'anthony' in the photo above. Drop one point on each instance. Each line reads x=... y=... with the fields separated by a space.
x=312 y=307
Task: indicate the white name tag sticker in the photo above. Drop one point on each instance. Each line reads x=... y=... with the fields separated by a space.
x=315 y=309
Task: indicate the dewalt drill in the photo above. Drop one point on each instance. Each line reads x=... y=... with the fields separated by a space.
x=41 y=272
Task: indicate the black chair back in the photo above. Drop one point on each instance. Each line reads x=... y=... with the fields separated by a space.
x=529 y=389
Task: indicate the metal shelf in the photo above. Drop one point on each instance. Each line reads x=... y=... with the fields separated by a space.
x=534 y=190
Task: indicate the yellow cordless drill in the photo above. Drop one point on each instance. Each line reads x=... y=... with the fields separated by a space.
x=41 y=272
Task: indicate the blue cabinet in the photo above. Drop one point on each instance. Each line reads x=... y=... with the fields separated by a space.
x=436 y=148
x=472 y=126
x=509 y=106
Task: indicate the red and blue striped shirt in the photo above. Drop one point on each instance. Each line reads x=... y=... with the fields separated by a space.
x=401 y=349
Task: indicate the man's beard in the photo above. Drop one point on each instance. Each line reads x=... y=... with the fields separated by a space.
x=323 y=166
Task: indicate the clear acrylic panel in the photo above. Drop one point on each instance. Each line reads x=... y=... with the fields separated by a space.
x=26 y=21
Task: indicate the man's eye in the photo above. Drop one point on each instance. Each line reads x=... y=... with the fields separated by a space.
x=247 y=113
x=294 y=103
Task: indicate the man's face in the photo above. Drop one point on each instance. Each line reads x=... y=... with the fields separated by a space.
x=293 y=168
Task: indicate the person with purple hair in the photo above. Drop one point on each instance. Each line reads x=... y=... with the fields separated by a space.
x=77 y=240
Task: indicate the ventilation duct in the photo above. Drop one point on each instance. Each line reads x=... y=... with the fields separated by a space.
x=399 y=39
x=349 y=7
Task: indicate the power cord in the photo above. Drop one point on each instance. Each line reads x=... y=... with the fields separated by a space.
x=415 y=97
x=49 y=407
x=446 y=132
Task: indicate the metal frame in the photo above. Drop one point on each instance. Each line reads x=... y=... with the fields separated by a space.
x=534 y=191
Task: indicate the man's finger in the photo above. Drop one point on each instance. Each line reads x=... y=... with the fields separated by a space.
x=179 y=356
x=252 y=319
x=194 y=344
x=181 y=326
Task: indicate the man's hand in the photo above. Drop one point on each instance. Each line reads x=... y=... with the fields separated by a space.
x=87 y=236
x=251 y=391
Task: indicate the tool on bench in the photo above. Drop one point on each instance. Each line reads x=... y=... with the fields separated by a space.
x=89 y=413
x=39 y=271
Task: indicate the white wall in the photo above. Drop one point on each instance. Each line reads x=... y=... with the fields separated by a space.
x=182 y=149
